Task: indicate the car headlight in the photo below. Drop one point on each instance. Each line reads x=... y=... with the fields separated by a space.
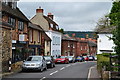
x=48 y=62
x=38 y=64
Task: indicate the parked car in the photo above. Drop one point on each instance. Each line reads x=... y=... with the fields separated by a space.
x=71 y=59
x=62 y=59
x=50 y=61
x=95 y=57
x=34 y=63
x=91 y=58
x=79 y=59
x=86 y=58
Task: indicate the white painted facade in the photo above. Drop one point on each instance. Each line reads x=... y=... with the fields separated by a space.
x=104 y=44
x=56 y=38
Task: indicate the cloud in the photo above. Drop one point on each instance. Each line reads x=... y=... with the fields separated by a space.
x=70 y=16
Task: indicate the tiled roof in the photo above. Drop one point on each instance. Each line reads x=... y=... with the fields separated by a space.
x=67 y=37
x=91 y=43
x=81 y=34
x=15 y=12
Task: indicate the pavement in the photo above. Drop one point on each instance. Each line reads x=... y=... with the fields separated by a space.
x=93 y=73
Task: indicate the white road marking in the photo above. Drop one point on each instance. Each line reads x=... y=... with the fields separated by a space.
x=89 y=73
x=62 y=68
x=42 y=78
x=68 y=65
x=53 y=72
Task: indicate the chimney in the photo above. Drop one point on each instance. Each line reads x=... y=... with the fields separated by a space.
x=50 y=16
x=39 y=11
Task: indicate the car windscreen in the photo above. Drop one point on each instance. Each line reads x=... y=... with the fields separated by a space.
x=47 y=58
x=34 y=59
x=61 y=57
x=70 y=57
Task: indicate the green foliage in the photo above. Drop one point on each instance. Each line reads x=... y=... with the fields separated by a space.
x=103 y=60
x=61 y=30
x=115 y=21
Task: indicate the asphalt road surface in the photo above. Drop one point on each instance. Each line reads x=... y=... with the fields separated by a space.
x=71 y=71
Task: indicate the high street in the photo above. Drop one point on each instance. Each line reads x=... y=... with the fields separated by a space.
x=78 y=70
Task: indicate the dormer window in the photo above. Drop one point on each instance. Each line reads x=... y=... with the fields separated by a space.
x=51 y=25
x=20 y=25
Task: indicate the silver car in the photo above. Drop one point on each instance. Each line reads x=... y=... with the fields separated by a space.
x=34 y=63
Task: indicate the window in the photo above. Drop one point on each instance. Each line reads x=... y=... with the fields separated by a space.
x=20 y=25
x=73 y=45
x=68 y=44
x=53 y=40
x=31 y=35
x=11 y=21
x=38 y=36
x=81 y=48
x=51 y=25
x=47 y=43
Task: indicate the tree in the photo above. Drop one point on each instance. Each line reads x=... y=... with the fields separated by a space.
x=115 y=21
x=61 y=30
x=103 y=24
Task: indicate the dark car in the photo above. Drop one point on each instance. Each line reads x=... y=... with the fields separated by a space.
x=62 y=59
x=79 y=59
x=91 y=58
x=71 y=59
x=50 y=61
x=86 y=58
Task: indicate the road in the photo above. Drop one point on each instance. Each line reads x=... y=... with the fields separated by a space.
x=72 y=71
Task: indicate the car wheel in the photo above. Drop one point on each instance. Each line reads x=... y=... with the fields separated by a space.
x=41 y=70
x=54 y=65
x=23 y=70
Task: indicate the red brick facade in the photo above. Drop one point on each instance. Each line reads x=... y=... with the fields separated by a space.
x=69 y=47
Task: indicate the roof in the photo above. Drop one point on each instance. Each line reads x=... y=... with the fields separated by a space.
x=50 y=20
x=15 y=12
x=67 y=37
x=91 y=43
x=34 y=26
x=82 y=34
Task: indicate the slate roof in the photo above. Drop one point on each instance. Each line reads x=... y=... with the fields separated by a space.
x=14 y=12
x=34 y=26
x=50 y=20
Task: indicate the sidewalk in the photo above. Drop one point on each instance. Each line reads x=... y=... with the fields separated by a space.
x=93 y=73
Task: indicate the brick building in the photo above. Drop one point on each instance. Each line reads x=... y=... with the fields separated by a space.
x=69 y=46
x=13 y=16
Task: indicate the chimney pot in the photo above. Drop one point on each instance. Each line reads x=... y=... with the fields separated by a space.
x=50 y=15
x=39 y=10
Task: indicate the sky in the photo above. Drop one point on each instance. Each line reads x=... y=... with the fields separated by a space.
x=77 y=15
